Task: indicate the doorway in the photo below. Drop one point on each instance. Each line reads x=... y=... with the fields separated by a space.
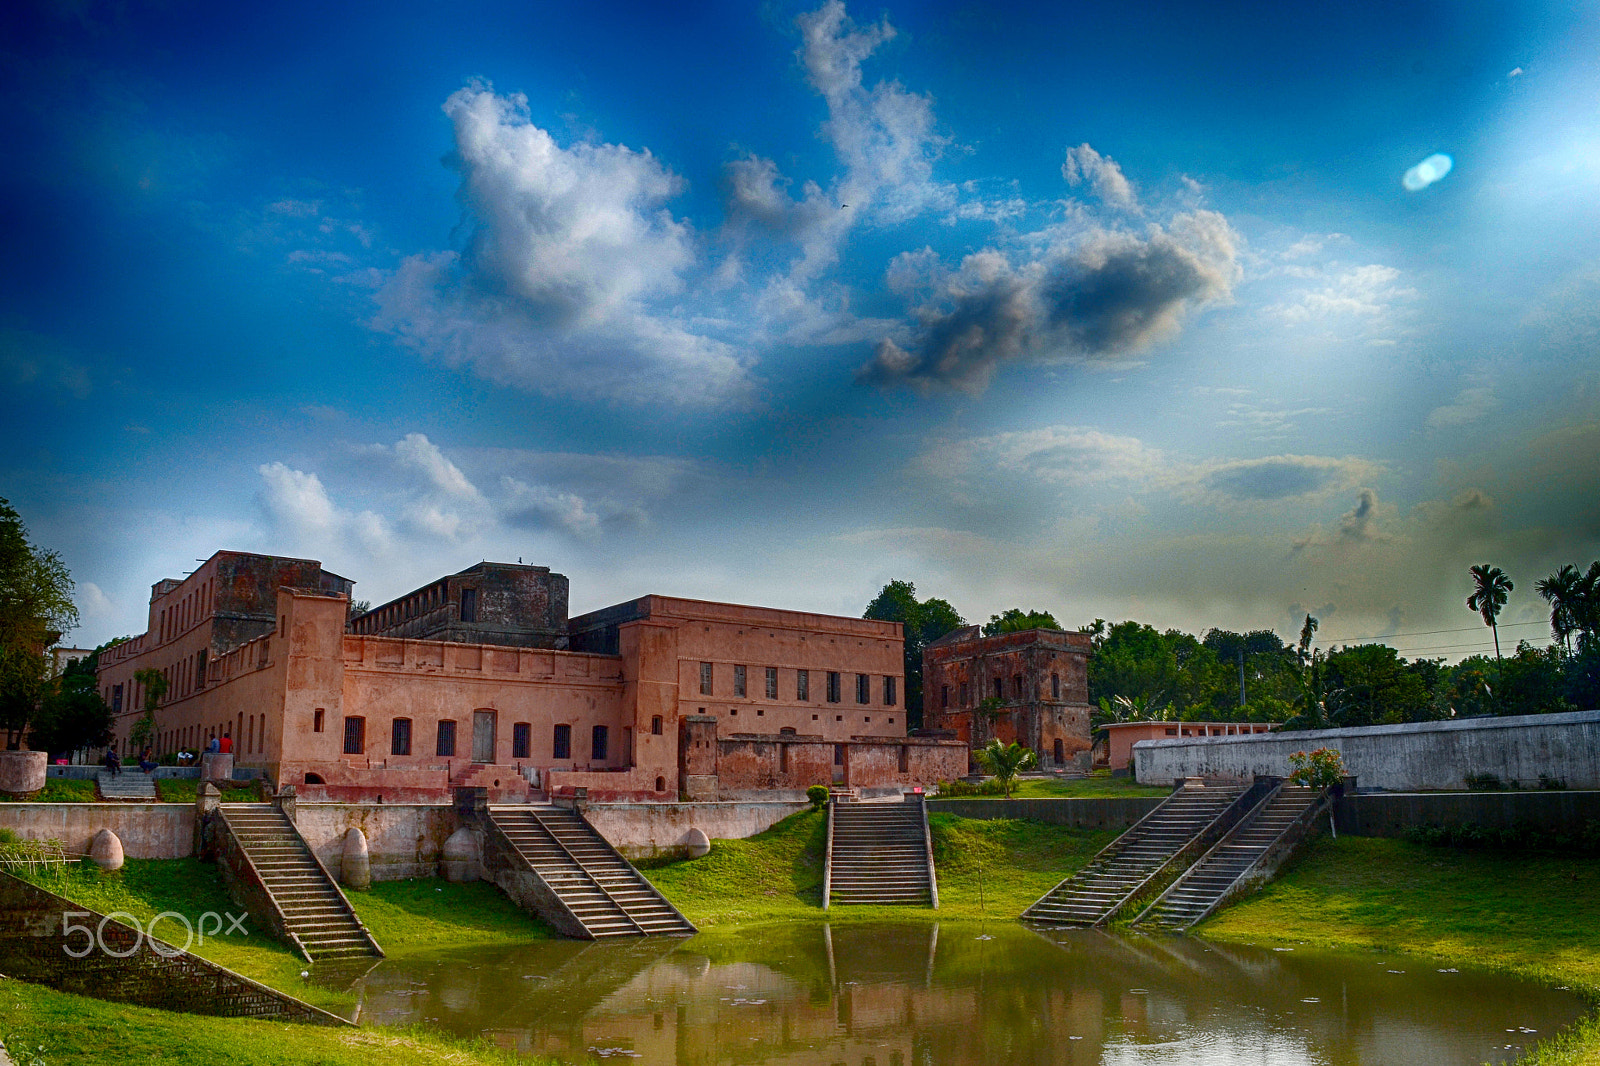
x=483 y=736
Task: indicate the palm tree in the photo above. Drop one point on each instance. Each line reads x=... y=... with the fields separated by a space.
x=1492 y=589
x=1563 y=590
x=1005 y=761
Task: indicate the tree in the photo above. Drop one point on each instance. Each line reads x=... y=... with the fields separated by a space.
x=1370 y=684
x=1491 y=589
x=1308 y=632
x=155 y=687
x=924 y=622
x=1563 y=591
x=1016 y=621
x=73 y=717
x=1005 y=761
x=36 y=609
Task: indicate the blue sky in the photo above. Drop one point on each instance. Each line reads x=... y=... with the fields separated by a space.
x=1112 y=313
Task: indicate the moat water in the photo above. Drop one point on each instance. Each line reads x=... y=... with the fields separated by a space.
x=926 y=995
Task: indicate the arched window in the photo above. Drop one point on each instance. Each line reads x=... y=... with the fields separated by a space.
x=313 y=779
x=661 y=784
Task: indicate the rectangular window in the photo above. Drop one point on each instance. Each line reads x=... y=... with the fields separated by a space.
x=1016 y=686
x=400 y=739
x=200 y=669
x=598 y=743
x=705 y=679
x=772 y=682
x=655 y=725
x=944 y=696
x=863 y=688
x=738 y=679
x=469 y=605
x=999 y=689
x=355 y=736
x=116 y=699
x=445 y=745
x=1055 y=686
x=562 y=747
x=833 y=686
x=966 y=693
x=905 y=758
x=890 y=696
x=316 y=720
x=802 y=685
x=520 y=740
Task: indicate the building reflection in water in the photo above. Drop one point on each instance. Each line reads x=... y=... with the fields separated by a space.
x=903 y=994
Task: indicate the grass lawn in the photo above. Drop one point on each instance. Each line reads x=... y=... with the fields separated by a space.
x=402 y=915
x=75 y=1029
x=1531 y=914
x=1096 y=786
x=986 y=868
x=59 y=790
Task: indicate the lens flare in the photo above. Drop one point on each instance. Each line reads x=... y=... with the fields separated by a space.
x=1427 y=172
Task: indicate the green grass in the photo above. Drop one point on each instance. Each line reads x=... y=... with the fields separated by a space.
x=75 y=1029
x=1094 y=787
x=58 y=790
x=183 y=791
x=1533 y=915
x=987 y=869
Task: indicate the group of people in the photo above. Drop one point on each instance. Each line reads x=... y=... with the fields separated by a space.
x=147 y=758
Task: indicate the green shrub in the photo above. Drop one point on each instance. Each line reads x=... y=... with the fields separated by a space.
x=818 y=795
x=1484 y=783
x=1548 y=782
x=991 y=787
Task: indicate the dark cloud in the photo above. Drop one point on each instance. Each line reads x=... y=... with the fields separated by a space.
x=1102 y=297
x=1271 y=479
x=1361 y=521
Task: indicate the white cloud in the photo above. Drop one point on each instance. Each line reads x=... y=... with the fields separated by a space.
x=538 y=506
x=573 y=267
x=93 y=603
x=1101 y=173
x=1366 y=291
x=1469 y=406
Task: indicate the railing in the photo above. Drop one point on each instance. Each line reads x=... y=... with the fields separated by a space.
x=827 y=857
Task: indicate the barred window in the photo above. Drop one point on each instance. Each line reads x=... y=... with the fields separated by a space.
x=446 y=743
x=705 y=679
x=802 y=685
x=863 y=688
x=738 y=679
x=833 y=686
x=400 y=737
x=772 y=682
x=561 y=748
x=890 y=696
x=521 y=736
x=598 y=742
x=355 y=736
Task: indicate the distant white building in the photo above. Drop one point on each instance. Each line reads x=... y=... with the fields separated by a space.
x=60 y=657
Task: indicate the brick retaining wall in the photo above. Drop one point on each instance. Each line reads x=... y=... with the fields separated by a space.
x=33 y=948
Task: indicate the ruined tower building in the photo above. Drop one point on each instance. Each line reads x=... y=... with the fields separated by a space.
x=1030 y=687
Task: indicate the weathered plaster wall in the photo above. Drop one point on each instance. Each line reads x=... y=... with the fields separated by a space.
x=1108 y=813
x=641 y=830
x=1421 y=755
x=1390 y=814
x=1039 y=675
x=147 y=830
x=402 y=840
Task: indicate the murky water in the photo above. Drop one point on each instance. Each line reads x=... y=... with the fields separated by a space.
x=920 y=995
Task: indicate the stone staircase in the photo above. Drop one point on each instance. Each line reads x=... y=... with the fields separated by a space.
x=311 y=907
x=1125 y=867
x=130 y=786
x=1209 y=881
x=592 y=883
x=879 y=853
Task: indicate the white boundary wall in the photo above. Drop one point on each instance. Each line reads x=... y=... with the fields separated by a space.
x=1420 y=755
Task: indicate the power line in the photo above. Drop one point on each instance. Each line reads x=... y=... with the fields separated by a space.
x=1428 y=632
